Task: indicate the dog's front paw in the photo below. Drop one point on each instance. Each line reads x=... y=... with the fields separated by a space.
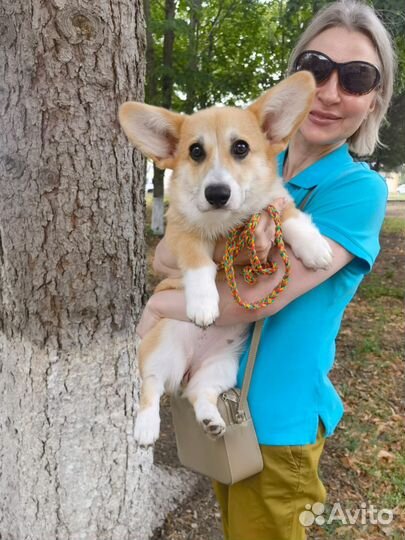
x=202 y=297
x=203 y=310
x=316 y=254
x=147 y=427
x=307 y=242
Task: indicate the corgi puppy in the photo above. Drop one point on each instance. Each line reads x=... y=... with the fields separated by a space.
x=224 y=170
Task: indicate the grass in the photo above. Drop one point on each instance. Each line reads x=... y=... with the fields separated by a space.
x=394 y=225
x=380 y=287
x=396 y=196
x=365 y=461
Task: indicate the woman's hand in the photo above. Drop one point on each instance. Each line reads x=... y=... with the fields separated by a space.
x=264 y=238
x=266 y=231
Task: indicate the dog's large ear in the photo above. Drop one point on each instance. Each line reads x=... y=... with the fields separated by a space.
x=281 y=110
x=153 y=130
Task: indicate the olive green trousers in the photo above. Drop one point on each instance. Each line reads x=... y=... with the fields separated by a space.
x=267 y=506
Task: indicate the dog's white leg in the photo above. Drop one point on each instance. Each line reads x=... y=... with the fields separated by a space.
x=306 y=241
x=202 y=297
x=147 y=423
x=213 y=377
x=162 y=363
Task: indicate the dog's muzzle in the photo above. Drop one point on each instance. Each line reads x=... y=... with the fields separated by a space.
x=217 y=195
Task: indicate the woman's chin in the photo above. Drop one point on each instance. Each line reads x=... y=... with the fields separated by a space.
x=320 y=136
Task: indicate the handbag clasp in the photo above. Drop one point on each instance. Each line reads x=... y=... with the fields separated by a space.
x=240 y=416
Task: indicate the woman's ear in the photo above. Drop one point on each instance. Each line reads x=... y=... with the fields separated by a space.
x=281 y=110
x=372 y=104
x=153 y=130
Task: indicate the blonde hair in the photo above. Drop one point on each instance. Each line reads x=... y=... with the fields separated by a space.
x=357 y=16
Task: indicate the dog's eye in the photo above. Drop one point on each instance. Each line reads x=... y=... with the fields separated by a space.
x=197 y=152
x=240 y=149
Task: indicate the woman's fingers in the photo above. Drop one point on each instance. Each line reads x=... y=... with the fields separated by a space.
x=265 y=231
x=280 y=203
x=264 y=236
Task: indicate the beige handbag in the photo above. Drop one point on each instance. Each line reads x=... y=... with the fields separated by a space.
x=234 y=456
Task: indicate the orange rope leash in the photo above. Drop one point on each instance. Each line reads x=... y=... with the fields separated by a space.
x=244 y=236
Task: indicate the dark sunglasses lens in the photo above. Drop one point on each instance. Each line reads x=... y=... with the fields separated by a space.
x=318 y=65
x=358 y=78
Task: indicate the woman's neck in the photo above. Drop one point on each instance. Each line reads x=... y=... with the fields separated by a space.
x=302 y=154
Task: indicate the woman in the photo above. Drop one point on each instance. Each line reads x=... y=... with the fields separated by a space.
x=292 y=401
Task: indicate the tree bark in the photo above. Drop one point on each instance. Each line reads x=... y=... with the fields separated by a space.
x=168 y=46
x=72 y=275
x=157 y=225
x=194 y=31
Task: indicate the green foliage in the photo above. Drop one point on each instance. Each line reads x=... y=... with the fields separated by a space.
x=392 y=154
x=229 y=51
x=393 y=16
x=286 y=20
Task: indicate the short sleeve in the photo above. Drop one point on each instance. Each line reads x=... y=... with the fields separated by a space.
x=351 y=212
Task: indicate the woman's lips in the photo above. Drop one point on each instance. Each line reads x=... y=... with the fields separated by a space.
x=322 y=118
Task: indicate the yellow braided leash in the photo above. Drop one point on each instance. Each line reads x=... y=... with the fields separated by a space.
x=244 y=236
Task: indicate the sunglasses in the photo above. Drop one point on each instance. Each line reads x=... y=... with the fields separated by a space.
x=357 y=77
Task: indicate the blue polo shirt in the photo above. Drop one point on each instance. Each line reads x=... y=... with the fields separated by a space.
x=290 y=388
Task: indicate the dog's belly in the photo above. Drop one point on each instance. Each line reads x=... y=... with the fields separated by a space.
x=214 y=341
x=197 y=346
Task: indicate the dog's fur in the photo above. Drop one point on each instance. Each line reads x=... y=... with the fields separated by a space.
x=194 y=224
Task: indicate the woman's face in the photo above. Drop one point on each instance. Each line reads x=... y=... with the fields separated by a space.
x=336 y=114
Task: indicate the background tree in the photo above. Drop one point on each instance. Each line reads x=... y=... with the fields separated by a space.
x=229 y=51
x=72 y=274
x=206 y=41
x=391 y=155
x=159 y=91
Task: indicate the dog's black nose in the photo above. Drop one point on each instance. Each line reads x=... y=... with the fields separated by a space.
x=217 y=194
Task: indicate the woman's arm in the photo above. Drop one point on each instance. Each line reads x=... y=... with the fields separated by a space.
x=171 y=304
x=164 y=262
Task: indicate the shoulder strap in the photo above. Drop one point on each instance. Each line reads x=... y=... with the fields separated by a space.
x=249 y=369
x=305 y=199
x=253 y=348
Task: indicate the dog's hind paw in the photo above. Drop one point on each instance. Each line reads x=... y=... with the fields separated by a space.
x=210 y=419
x=213 y=429
x=147 y=427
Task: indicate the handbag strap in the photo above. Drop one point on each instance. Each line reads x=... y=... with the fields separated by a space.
x=254 y=345
x=241 y=409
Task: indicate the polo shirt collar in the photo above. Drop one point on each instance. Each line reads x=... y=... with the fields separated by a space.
x=313 y=175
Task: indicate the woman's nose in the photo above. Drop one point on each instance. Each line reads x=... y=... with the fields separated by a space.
x=329 y=91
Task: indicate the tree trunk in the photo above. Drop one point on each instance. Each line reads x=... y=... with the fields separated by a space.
x=72 y=275
x=193 y=52
x=151 y=86
x=168 y=46
x=158 y=206
x=157 y=225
